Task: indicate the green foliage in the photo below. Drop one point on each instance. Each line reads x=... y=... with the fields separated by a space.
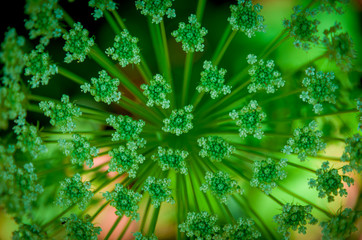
x=320 y=88
x=266 y=173
x=221 y=185
x=38 y=65
x=294 y=217
x=100 y=6
x=353 y=154
x=212 y=81
x=139 y=236
x=169 y=158
x=263 y=75
x=80 y=229
x=180 y=121
x=305 y=141
x=245 y=18
x=215 y=148
x=156 y=9
x=200 y=225
x=77 y=43
x=331 y=6
x=244 y=229
x=341 y=225
x=125 y=49
x=31 y=232
x=61 y=114
x=126 y=128
x=159 y=190
x=104 y=88
x=125 y=201
x=329 y=182
x=190 y=35
x=74 y=191
x=249 y=120
x=156 y=92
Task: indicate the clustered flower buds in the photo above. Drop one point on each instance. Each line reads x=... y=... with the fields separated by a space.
x=159 y=190
x=100 y=6
x=215 y=148
x=156 y=92
x=169 y=158
x=126 y=128
x=352 y=154
x=200 y=225
x=139 y=236
x=27 y=231
x=180 y=121
x=243 y=229
x=156 y=9
x=80 y=228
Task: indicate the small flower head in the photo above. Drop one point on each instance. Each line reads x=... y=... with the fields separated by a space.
x=126 y=128
x=329 y=182
x=320 y=88
x=125 y=159
x=38 y=65
x=212 y=81
x=12 y=54
x=200 y=225
x=190 y=35
x=249 y=120
x=125 y=201
x=244 y=229
x=77 y=43
x=266 y=173
x=293 y=217
x=353 y=154
x=341 y=225
x=125 y=49
x=221 y=185
x=169 y=158
x=61 y=114
x=74 y=191
x=331 y=6
x=104 y=88
x=139 y=236
x=156 y=92
x=28 y=139
x=159 y=190
x=302 y=27
x=180 y=121
x=215 y=148
x=245 y=18
x=27 y=231
x=156 y=9
x=80 y=229
x=340 y=47
x=305 y=141
x=263 y=75
x=44 y=21
x=100 y=6
x=79 y=150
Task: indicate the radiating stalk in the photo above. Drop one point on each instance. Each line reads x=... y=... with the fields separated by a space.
x=154 y=219
x=223 y=45
x=125 y=229
x=113 y=228
x=187 y=77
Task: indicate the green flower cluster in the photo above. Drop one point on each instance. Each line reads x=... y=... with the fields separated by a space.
x=320 y=88
x=27 y=231
x=159 y=190
x=190 y=35
x=200 y=225
x=212 y=81
x=139 y=236
x=353 y=154
x=79 y=150
x=156 y=9
x=215 y=148
x=74 y=191
x=100 y=6
x=180 y=121
x=77 y=43
x=169 y=158
x=126 y=128
x=244 y=229
x=125 y=201
x=302 y=28
x=61 y=114
x=305 y=141
x=156 y=92
x=104 y=88
x=245 y=18
x=80 y=229
x=39 y=65
x=341 y=225
x=125 y=49
x=329 y=182
x=249 y=119
x=125 y=159
x=263 y=75
x=266 y=173
x=221 y=185
x=294 y=217
x=331 y=6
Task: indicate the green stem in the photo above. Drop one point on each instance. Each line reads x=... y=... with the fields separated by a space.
x=118 y=19
x=223 y=45
x=125 y=229
x=275 y=47
x=271 y=44
x=56 y=217
x=68 y=19
x=113 y=228
x=144 y=217
x=99 y=210
x=112 y=23
x=154 y=219
x=187 y=77
x=200 y=9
